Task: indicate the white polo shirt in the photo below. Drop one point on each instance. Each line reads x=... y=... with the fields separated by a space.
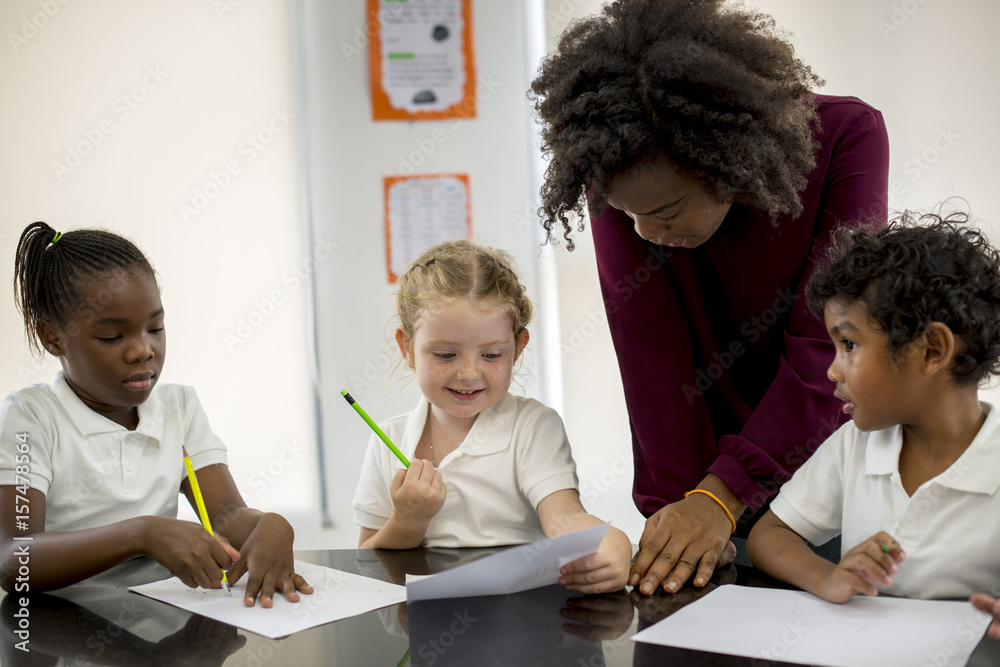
x=515 y=454
x=93 y=471
x=949 y=529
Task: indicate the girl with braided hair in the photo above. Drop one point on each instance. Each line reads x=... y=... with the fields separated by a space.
x=712 y=174
x=96 y=459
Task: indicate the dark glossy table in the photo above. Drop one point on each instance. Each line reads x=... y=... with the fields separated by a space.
x=105 y=624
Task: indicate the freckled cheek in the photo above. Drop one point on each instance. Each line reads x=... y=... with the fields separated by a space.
x=498 y=373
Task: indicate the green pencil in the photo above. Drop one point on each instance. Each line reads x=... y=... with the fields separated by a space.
x=375 y=428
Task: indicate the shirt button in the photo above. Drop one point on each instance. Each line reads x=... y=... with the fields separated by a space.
x=128 y=467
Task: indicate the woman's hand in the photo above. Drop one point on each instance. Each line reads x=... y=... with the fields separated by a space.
x=872 y=562
x=267 y=560
x=655 y=608
x=187 y=550
x=690 y=536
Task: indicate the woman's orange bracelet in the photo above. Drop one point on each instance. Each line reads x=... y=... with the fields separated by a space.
x=721 y=504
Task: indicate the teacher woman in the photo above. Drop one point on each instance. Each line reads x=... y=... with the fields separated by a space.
x=714 y=177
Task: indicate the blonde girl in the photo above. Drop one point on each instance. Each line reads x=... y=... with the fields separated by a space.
x=488 y=467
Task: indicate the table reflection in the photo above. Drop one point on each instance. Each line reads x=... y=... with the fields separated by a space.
x=131 y=630
x=102 y=623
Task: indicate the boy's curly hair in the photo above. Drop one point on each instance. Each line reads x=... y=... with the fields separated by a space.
x=713 y=89
x=918 y=270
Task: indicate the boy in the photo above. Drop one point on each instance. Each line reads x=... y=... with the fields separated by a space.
x=912 y=482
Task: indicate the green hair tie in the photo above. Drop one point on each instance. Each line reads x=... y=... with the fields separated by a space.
x=57 y=237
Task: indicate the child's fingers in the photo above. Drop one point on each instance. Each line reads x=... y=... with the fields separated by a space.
x=301 y=584
x=287 y=587
x=872 y=577
x=871 y=568
x=254 y=585
x=874 y=559
x=990 y=605
x=602 y=606
x=846 y=583
x=290 y=584
x=210 y=577
x=266 y=593
x=233 y=554
x=866 y=574
x=581 y=564
x=238 y=569
x=222 y=554
x=885 y=552
x=986 y=603
x=593 y=574
x=888 y=545
x=188 y=579
x=397 y=480
x=421 y=471
x=601 y=580
x=981 y=601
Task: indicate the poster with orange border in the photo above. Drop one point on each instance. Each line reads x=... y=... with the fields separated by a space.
x=422 y=210
x=421 y=59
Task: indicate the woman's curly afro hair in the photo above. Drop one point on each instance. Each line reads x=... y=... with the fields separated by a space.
x=918 y=270
x=710 y=87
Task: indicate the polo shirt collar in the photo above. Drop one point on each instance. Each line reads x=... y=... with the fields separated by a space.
x=88 y=422
x=493 y=429
x=975 y=471
x=882 y=451
x=491 y=432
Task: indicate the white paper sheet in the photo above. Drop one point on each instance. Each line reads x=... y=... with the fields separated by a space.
x=510 y=571
x=336 y=595
x=794 y=626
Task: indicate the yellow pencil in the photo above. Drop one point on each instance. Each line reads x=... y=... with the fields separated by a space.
x=202 y=512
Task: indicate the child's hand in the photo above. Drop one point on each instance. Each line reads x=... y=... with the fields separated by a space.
x=598 y=617
x=202 y=642
x=601 y=572
x=990 y=605
x=872 y=562
x=268 y=562
x=188 y=551
x=417 y=492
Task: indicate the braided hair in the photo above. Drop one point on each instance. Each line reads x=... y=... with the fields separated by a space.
x=461 y=269
x=49 y=269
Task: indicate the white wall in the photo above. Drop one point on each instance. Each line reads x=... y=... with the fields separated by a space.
x=219 y=79
x=225 y=74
